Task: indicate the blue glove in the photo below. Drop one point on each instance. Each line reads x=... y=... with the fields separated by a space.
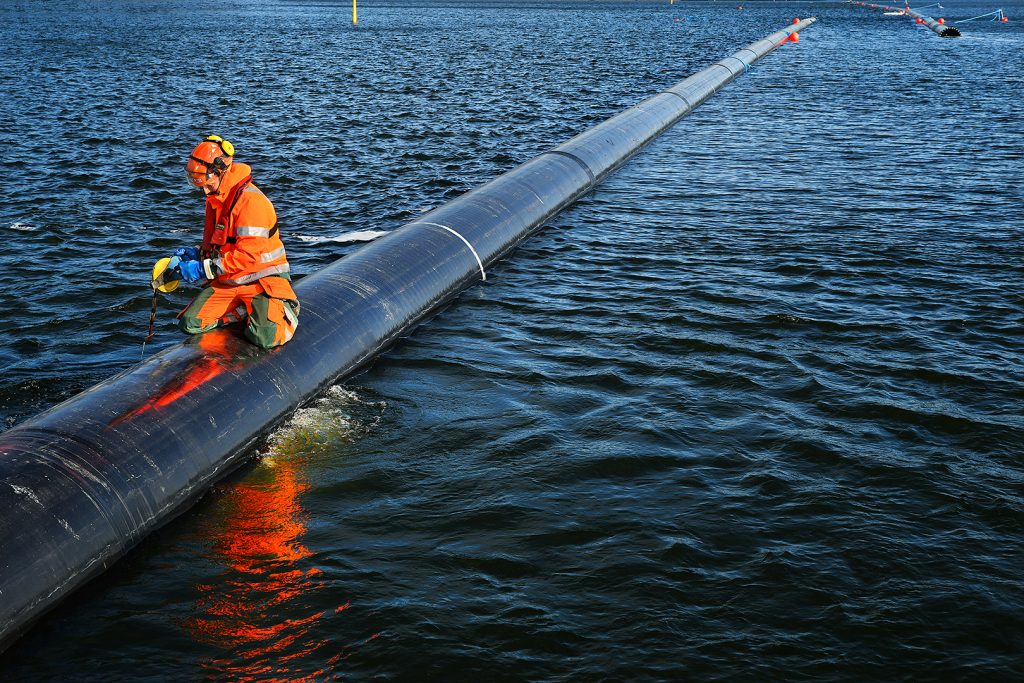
x=192 y=271
x=187 y=253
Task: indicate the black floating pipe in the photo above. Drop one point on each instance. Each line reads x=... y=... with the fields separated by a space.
x=83 y=482
x=941 y=29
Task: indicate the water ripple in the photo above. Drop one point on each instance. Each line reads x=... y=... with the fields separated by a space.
x=749 y=411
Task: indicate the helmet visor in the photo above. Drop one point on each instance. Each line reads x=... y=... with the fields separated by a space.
x=197 y=179
x=198 y=172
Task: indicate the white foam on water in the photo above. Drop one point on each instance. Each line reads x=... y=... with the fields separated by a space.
x=339 y=416
x=344 y=238
x=23 y=228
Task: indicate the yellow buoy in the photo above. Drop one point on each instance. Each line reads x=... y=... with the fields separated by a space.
x=159 y=271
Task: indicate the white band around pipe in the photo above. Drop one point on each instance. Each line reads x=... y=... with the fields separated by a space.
x=483 y=275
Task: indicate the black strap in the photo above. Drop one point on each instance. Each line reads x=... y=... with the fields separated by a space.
x=239 y=189
x=152 y=317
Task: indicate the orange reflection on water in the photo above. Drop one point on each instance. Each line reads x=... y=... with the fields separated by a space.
x=261 y=615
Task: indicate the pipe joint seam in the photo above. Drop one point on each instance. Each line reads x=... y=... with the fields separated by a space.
x=685 y=101
x=483 y=274
x=583 y=164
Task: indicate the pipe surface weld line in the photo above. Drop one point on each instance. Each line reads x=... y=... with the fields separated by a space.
x=483 y=275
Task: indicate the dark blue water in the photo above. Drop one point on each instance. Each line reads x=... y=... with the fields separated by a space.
x=751 y=410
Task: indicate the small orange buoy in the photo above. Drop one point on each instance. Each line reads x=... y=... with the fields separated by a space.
x=941 y=20
x=920 y=20
x=1005 y=19
x=796 y=20
x=794 y=37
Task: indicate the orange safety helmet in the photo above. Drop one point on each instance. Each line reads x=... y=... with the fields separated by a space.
x=211 y=157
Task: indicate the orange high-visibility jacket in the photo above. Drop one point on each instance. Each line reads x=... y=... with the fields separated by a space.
x=241 y=242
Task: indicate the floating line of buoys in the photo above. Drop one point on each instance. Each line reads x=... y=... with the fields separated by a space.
x=85 y=481
x=938 y=26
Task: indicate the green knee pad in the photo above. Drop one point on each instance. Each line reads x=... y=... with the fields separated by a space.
x=260 y=329
x=190 y=325
x=188 y=322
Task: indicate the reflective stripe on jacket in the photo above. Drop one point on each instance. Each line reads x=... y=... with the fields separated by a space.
x=241 y=243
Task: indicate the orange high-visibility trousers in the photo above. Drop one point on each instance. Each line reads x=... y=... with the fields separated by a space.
x=269 y=321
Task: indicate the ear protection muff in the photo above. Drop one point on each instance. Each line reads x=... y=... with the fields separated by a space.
x=218 y=165
x=224 y=145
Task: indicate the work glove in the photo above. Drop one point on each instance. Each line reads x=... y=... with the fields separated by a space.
x=187 y=253
x=192 y=272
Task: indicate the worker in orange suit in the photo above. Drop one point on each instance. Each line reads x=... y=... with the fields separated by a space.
x=241 y=263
